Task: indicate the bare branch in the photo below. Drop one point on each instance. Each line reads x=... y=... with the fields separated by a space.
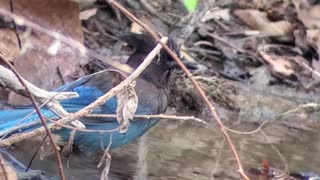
x=158 y=116
x=9 y=80
x=197 y=87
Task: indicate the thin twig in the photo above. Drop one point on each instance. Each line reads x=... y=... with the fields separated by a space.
x=83 y=130
x=107 y=161
x=154 y=12
x=286 y=168
x=111 y=116
x=44 y=123
x=214 y=169
x=15 y=26
x=233 y=46
x=307 y=67
x=248 y=132
x=3 y=168
x=189 y=75
x=101 y=100
x=36 y=152
x=8 y=78
x=158 y=116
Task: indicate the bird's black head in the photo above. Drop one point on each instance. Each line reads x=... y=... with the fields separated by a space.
x=143 y=45
x=159 y=70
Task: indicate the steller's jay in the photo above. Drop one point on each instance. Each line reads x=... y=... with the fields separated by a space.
x=151 y=88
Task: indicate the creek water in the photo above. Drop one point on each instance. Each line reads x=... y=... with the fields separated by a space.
x=190 y=150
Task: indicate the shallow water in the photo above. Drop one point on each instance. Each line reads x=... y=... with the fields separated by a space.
x=187 y=150
x=190 y=150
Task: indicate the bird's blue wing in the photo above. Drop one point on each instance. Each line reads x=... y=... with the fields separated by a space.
x=89 y=89
x=88 y=92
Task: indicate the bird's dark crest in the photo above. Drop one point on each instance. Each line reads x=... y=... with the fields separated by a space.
x=144 y=43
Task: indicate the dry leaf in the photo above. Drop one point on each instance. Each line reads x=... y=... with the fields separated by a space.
x=136 y=28
x=258 y=20
x=127 y=100
x=313 y=38
x=84 y=15
x=310 y=16
x=279 y=64
x=217 y=14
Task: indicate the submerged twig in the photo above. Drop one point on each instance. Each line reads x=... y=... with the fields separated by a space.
x=286 y=168
x=106 y=160
x=304 y=108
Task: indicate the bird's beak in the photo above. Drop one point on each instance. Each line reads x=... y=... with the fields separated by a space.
x=190 y=65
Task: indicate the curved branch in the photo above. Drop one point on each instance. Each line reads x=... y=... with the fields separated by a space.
x=189 y=75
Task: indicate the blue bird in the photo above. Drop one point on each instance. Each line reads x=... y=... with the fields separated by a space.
x=151 y=88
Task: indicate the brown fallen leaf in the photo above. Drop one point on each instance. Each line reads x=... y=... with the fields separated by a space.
x=309 y=15
x=258 y=20
x=279 y=64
